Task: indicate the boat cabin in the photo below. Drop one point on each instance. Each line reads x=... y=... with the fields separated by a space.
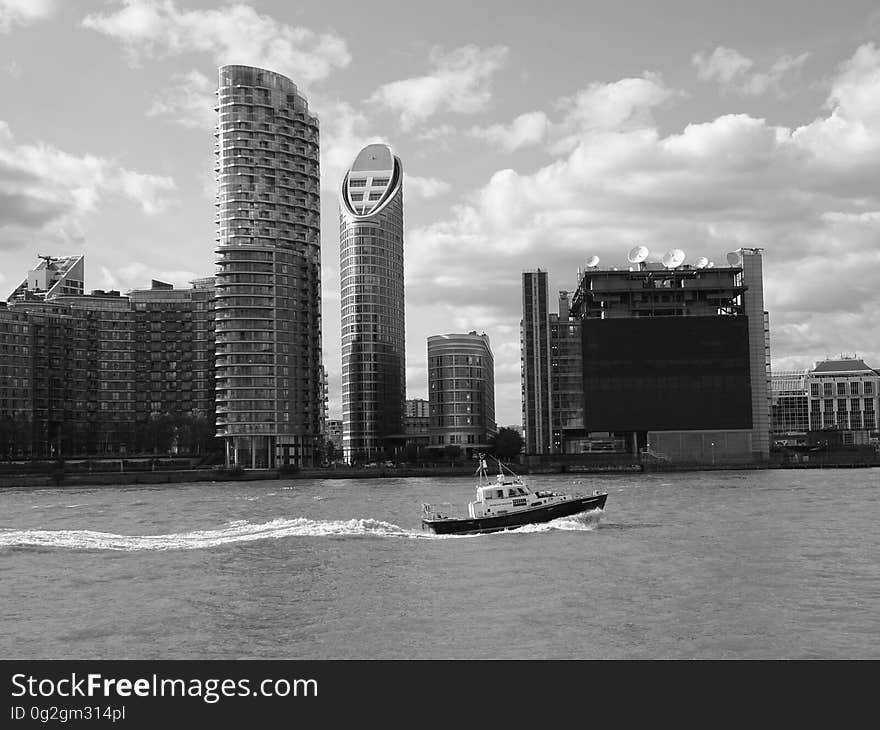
x=503 y=496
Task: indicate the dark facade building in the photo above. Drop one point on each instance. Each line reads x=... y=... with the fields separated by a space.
x=566 y=391
x=16 y=384
x=535 y=366
x=671 y=361
x=676 y=360
x=417 y=422
x=461 y=391
x=270 y=385
x=552 y=375
x=334 y=433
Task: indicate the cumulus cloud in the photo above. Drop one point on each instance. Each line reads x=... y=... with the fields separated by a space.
x=760 y=83
x=232 y=34
x=732 y=71
x=150 y=191
x=424 y=187
x=849 y=138
x=616 y=106
x=722 y=65
x=46 y=191
x=345 y=131
x=138 y=275
x=459 y=81
x=527 y=129
x=807 y=194
x=23 y=12
x=189 y=101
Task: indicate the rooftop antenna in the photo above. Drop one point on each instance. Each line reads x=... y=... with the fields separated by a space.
x=673 y=258
x=593 y=262
x=734 y=258
x=701 y=262
x=638 y=254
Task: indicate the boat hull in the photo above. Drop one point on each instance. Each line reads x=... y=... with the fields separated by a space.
x=516 y=519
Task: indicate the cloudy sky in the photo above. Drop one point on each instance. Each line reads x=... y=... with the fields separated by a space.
x=531 y=137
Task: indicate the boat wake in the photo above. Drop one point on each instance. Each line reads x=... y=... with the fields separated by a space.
x=234 y=532
x=584 y=521
x=244 y=531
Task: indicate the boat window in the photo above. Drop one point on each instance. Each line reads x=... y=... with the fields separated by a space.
x=511 y=492
x=521 y=490
x=499 y=493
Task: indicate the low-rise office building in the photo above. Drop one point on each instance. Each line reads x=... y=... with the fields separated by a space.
x=461 y=391
x=106 y=373
x=843 y=396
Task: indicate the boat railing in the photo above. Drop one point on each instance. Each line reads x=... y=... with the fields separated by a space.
x=440 y=511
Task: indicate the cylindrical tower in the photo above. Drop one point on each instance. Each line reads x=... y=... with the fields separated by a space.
x=268 y=284
x=373 y=327
x=461 y=391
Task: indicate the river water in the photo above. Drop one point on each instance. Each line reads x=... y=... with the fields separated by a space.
x=753 y=564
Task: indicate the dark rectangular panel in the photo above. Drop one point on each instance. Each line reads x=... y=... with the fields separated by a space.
x=666 y=373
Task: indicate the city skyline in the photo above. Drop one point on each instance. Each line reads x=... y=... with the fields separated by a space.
x=741 y=129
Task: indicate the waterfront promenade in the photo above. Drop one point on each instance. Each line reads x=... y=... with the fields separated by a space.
x=154 y=471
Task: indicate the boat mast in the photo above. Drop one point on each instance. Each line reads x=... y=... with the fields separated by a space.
x=482 y=470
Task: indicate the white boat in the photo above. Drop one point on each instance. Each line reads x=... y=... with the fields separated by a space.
x=507 y=502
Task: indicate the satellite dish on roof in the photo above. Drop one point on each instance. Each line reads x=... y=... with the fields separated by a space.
x=734 y=258
x=593 y=262
x=638 y=254
x=673 y=258
x=701 y=262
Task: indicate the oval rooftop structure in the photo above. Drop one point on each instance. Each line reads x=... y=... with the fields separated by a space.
x=372 y=180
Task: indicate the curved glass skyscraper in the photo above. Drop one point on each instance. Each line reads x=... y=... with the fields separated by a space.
x=268 y=285
x=373 y=336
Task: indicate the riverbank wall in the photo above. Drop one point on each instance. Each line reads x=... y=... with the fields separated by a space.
x=59 y=478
